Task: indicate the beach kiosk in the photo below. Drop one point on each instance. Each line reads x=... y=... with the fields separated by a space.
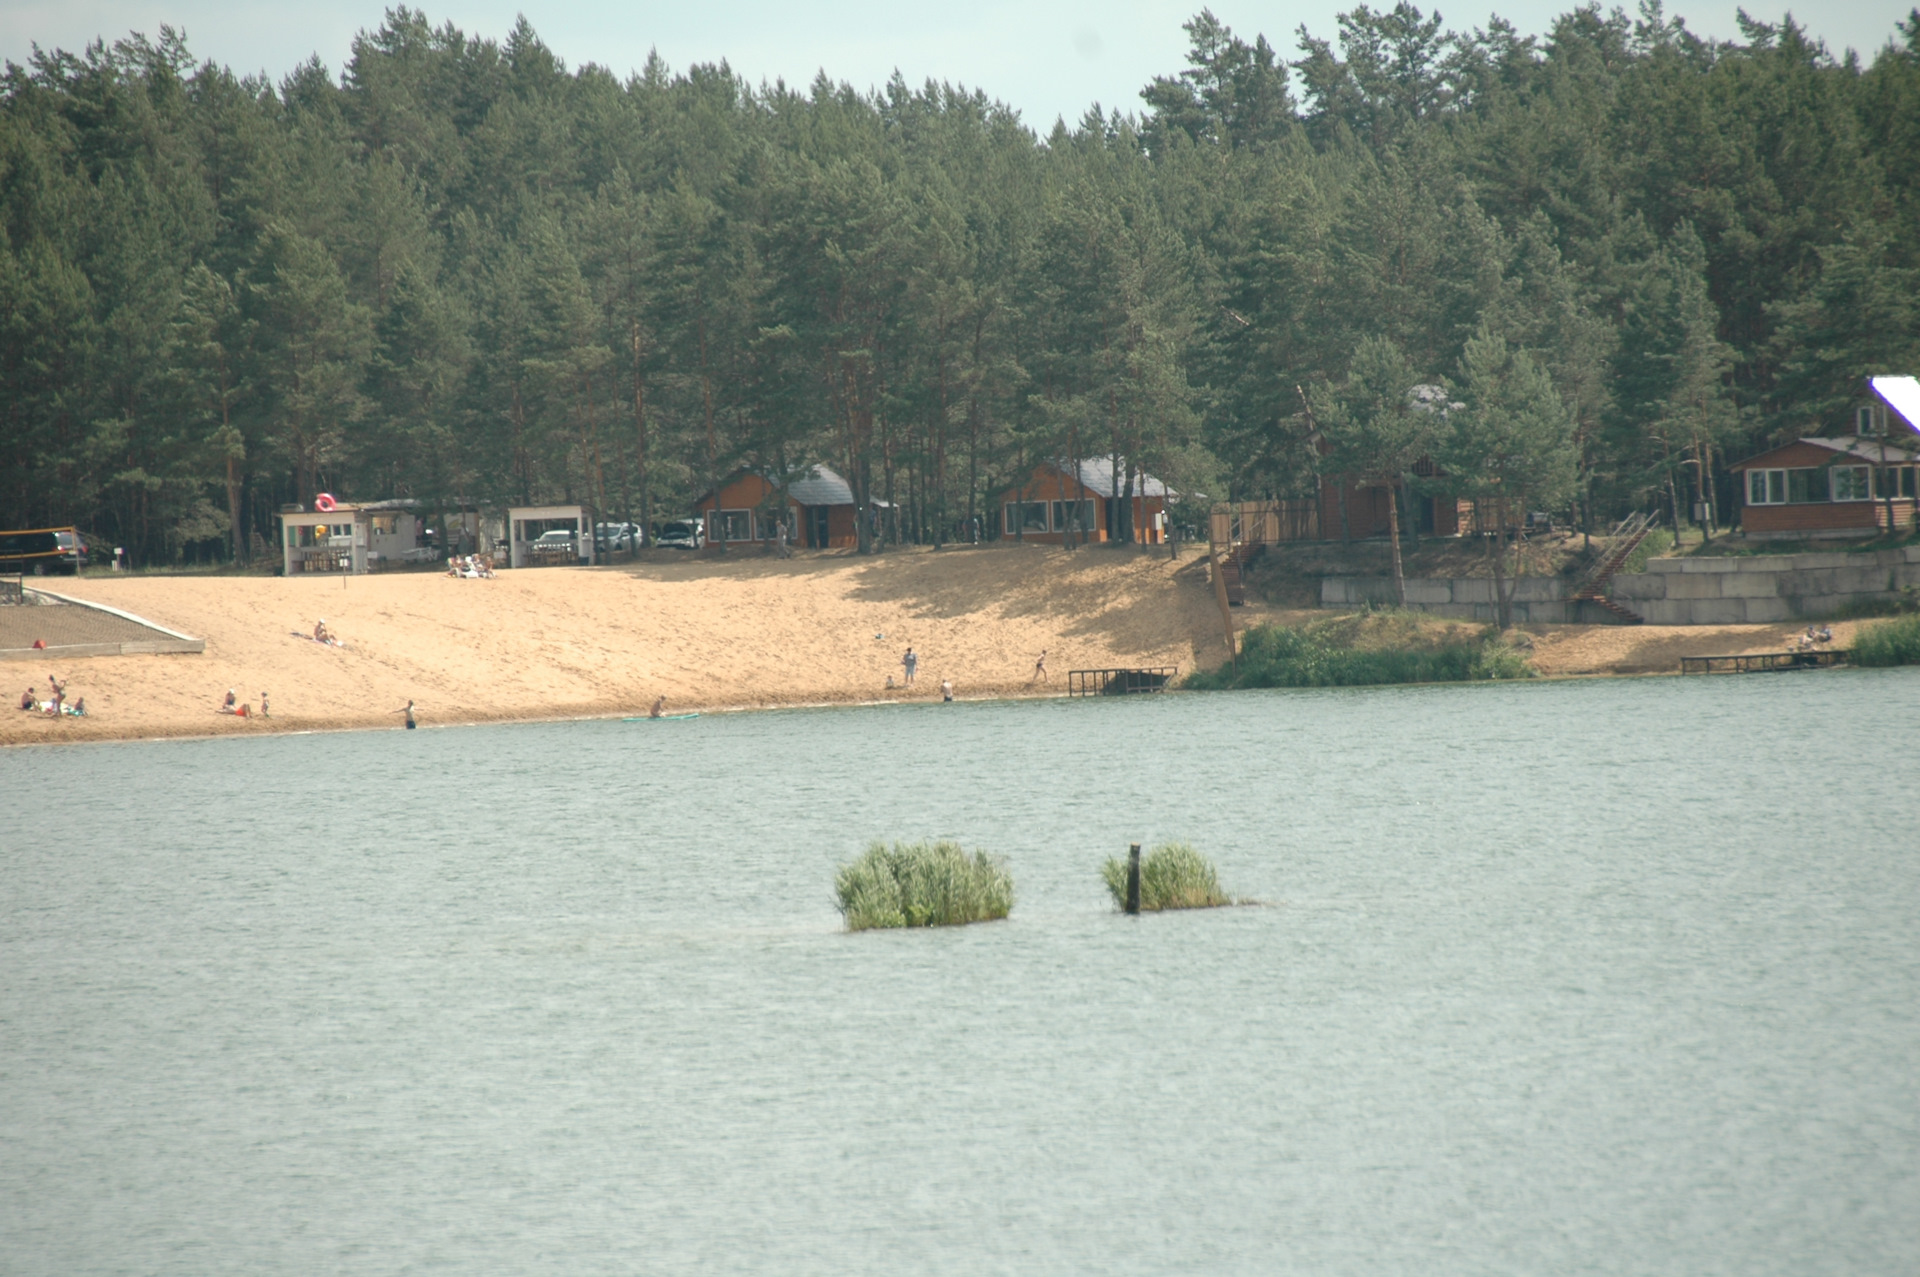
x=525 y=523
x=347 y=536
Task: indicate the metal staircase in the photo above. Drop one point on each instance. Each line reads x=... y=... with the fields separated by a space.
x=1625 y=539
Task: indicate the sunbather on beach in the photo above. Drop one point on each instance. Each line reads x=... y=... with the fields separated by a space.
x=28 y=700
x=321 y=634
x=227 y=706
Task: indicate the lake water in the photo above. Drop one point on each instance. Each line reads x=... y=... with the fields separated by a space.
x=1594 y=977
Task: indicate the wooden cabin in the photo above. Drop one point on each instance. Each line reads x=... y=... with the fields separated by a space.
x=818 y=510
x=1852 y=484
x=1367 y=508
x=1058 y=498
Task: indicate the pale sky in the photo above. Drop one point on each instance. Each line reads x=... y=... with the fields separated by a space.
x=1045 y=57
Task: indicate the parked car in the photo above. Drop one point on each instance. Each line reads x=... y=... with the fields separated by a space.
x=555 y=544
x=608 y=537
x=682 y=534
x=43 y=550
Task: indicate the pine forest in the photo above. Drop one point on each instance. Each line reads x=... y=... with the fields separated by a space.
x=460 y=271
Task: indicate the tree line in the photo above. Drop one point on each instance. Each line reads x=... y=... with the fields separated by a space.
x=464 y=273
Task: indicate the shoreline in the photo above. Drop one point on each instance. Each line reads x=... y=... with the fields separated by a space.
x=712 y=636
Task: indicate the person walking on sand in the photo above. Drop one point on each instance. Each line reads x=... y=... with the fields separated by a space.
x=912 y=663
x=408 y=711
x=1040 y=668
x=659 y=708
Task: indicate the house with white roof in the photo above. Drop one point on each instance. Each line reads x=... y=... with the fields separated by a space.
x=1856 y=484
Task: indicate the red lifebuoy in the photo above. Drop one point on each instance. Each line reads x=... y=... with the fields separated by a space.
x=324 y=503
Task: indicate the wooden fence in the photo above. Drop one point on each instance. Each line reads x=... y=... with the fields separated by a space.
x=1264 y=522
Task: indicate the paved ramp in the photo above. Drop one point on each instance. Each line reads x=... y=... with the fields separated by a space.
x=69 y=627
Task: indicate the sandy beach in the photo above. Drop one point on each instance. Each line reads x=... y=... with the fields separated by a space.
x=708 y=634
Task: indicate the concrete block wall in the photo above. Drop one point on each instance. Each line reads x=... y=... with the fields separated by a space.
x=1535 y=600
x=1764 y=588
x=1753 y=590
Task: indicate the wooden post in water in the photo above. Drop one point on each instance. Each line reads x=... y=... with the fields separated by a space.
x=1133 y=878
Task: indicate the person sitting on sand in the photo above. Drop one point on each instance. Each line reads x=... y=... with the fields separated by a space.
x=28 y=700
x=659 y=708
x=79 y=708
x=1825 y=635
x=321 y=634
x=227 y=706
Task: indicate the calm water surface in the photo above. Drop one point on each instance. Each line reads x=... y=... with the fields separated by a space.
x=1611 y=977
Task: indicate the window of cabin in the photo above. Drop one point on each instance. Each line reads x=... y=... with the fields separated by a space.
x=1851 y=483
x=1893 y=481
x=1805 y=486
x=1863 y=420
x=733 y=525
x=1026 y=516
x=1766 y=487
x=1076 y=516
x=383 y=524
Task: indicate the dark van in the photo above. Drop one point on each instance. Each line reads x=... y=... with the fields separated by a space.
x=43 y=550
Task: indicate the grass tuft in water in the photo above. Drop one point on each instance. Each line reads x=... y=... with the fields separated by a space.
x=922 y=884
x=1172 y=876
x=1894 y=642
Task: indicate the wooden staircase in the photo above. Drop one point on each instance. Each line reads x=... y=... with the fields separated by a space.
x=1232 y=569
x=1626 y=538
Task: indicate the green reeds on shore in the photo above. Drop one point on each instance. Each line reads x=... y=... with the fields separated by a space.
x=1895 y=642
x=922 y=884
x=1322 y=655
x=1172 y=876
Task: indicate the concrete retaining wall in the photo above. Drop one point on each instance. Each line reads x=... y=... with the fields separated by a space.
x=1764 y=588
x=1732 y=591
x=1536 y=599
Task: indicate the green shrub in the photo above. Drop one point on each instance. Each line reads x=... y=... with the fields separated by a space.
x=922 y=884
x=1282 y=656
x=1172 y=876
x=1658 y=541
x=1894 y=642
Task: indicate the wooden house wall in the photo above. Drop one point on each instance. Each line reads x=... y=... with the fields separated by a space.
x=751 y=491
x=1049 y=483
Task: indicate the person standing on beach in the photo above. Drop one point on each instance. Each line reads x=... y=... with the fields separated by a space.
x=659 y=707
x=1040 y=668
x=263 y=706
x=946 y=689
x=408 y=711
x=912 y=663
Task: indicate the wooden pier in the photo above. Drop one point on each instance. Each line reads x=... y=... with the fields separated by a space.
x=1763 y=662
x=1122 y=682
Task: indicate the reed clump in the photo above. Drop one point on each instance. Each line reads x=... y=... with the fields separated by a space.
x=1172 y=876
x=1895 y=642
x=922 y=884
x=1364 y=651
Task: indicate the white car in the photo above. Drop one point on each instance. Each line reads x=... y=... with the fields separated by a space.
x=682 y=534
x=557 y=542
